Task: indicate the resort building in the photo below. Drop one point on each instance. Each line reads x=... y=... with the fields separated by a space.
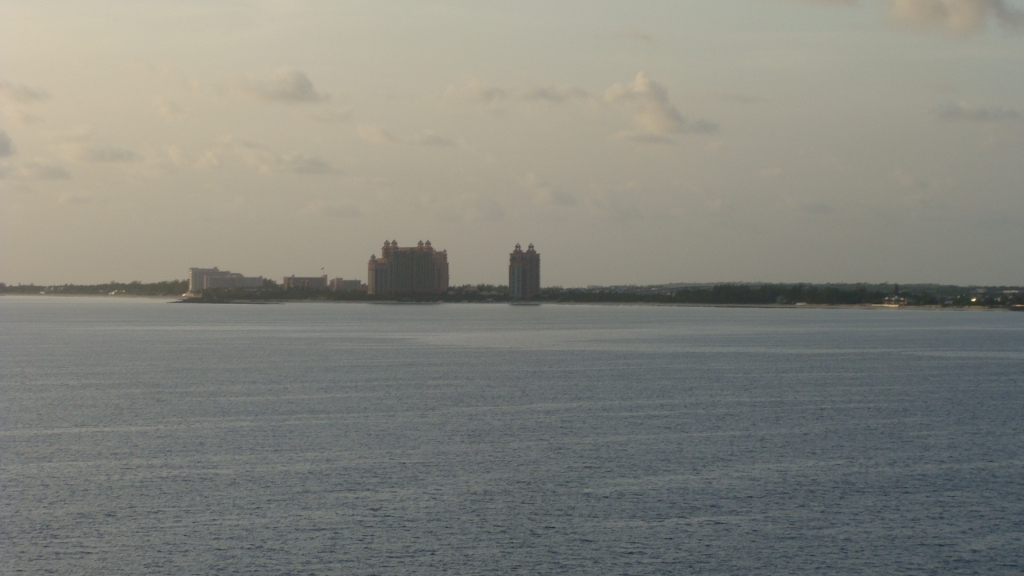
x=408 y=270
x=305 y=282
x=523 y=273
x=342 y=285
x=200 y=279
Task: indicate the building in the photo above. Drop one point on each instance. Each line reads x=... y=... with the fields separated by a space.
x=342 y=285
x=523 y=273
x=200 y=279
x=305 y=282
x=412 y=270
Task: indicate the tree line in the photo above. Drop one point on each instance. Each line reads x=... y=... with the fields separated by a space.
x=715 y=294
x=136 y=288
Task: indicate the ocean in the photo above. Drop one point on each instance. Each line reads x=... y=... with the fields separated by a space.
x=140 y=437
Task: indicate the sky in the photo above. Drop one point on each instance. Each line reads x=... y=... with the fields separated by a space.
x=640 y=142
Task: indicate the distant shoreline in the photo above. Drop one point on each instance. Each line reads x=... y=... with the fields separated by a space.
x=736 y=295
x=801 y=306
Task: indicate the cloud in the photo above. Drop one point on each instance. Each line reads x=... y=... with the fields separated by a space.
x=785 y=58
x=335 y=116
x=21 y=94
x=815 y=207
x=168 y=110
x=554 y=93
x=657 y=119
x=547 y=195
x=264 y=158
x=40 y=170
x=835 y=2
x=475 y=91
x=642 y=138
x=175 y=156
x=957 y=17
x=378 y=135
x=621 y=206
x=653 y=112
x=102 y=153
x=966 y=112
x=638 y=36
x=339 y=210
x=483 y=209
x=7 y=148
x=906 y=179
x=302 y=164
x=71 y=198
x=83 y=145
x=286 y=85
x=735 y=98
x=80 y=135
x=430 y=138
x=25 y=118
x=267 y=160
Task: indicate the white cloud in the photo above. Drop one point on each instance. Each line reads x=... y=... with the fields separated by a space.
x=301 y=164
x=474 y=91
x=168 y=110
x=655 y=116
x=966 y=112
x=431 y=138
x=72 y=198
x=102 y=153
x=814 y=207
x=264 y=158
x=736 y=98
x=653 y=112
x=339 y=210
x=958 y=17
x=42 y=170
x=544 y=194
x=643 y=138
x=7 y=148
x=639 y=36
x=24 y=118
x=21 y=94
x=267 y=160
x=906 y=179
x=785 y=58
x=483 y=209
x=837 y=2
x=334 y=116
x=471 y=208
x=378 y=135
x=285 y=85
x=83 y=145
x=175 y=156
x=554 y=93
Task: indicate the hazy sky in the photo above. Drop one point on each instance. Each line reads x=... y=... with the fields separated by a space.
x=631 y=142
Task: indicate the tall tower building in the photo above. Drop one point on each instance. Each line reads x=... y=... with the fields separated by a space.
x=410 y=270
x=523 y=273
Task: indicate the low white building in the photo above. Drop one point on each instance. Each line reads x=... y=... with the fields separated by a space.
x=342 y=285
x=305 y=282
x=200 y=279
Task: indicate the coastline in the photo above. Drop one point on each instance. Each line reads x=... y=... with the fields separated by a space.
x=179 y=300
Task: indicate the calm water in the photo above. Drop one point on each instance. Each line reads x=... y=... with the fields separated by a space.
x=138 y=437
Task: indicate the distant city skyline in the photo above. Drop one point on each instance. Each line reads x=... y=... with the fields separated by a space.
x=647 y=142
